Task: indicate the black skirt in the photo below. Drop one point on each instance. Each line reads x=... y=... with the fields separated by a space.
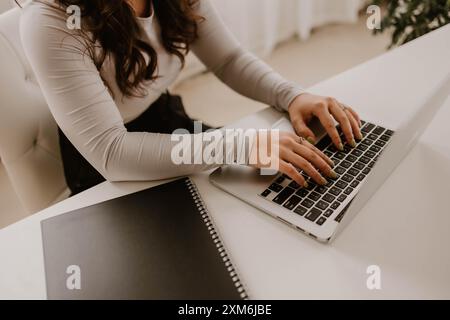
x=164 y=116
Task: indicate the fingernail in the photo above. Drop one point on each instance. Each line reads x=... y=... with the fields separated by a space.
x=311 y=140
x=353 y=143
x=332 y=164
x=324 y=181
x=341 y=146
x=306 y=185
x=333 y=174
x=359 y=136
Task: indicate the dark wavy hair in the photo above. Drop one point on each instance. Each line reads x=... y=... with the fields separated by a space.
x=114 y=26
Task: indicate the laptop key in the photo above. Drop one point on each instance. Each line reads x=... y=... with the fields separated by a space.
x=354 y=184
x=292 y=202
x=342 y=198
x=339 y=170
x=347 y=178
x=335 y=205
x=329 y=198
x=335 y=191
x=322 y=205
x=266 y=193
x=364 y=159
x=353 y=171
x=328 y=213
x=362 y=147
x=370 y=154
x=348 y=190
x=321 y=189
x=347 y=148
x=367 y=142
x=321 y=221
x=366 y=171
x=351 y=158
x=300 y=210
x=340 y=155
x=283 y=195
x=335 y=160
x=378 y=130
x=356 y=153
x=385 y=137
x=360 y=177
x=345 y=164
x=380 y=143
x=294 y=185
x=307 y=203
x=389 y=133
x=332 y=148
x=368 y=127
x=359 y=165
x=313 y=214
x=275 y=187
x=280 y=180
x=314 y=196
x=375 y=149
x=372 y=164
x=302 y=193
x=341 y=184
x=372 y=136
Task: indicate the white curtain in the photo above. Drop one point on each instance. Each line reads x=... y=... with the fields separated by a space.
x=261 y=24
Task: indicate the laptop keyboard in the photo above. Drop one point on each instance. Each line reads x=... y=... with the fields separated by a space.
x=318 y=203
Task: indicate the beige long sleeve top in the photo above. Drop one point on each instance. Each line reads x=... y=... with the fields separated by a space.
x=92 y=112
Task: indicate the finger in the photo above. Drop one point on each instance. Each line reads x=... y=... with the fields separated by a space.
x=306 y=166
x=355 y=115
x=302 y=130
x=289 y=170
x=316 y=160
x=320 y=153
x=339 y=114
x=355 y=126
x=327 y=122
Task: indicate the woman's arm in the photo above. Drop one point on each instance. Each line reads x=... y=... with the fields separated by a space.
x=219 y=50
x=83 y=107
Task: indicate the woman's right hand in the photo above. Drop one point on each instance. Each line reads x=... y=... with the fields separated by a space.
x=294 y=153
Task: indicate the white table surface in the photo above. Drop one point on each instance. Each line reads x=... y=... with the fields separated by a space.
x=404 y=228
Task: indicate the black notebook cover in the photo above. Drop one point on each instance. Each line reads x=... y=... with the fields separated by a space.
x=155 y=244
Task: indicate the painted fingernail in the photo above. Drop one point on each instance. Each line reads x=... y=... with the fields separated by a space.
x=353 y=143
x=323 y=181
x=306 y=185
x=311 y=140
x=341 y=146
x=333 y=174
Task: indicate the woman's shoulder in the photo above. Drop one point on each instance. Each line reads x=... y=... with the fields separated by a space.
x=45 y=22
x=38 y=15
x=44 y=10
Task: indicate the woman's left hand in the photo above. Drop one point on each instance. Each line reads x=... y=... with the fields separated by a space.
x=306 y=106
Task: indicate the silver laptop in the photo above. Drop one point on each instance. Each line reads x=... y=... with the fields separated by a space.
x=323 y=211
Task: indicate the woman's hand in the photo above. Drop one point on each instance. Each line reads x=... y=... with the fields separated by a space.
x=293 y=153
x=306 y=106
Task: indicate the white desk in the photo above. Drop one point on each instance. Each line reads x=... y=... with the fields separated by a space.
x=404 y=229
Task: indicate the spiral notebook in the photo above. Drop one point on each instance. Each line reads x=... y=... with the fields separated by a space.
x=159 y=243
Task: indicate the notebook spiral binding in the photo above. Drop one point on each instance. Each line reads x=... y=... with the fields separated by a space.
x=215 y=237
